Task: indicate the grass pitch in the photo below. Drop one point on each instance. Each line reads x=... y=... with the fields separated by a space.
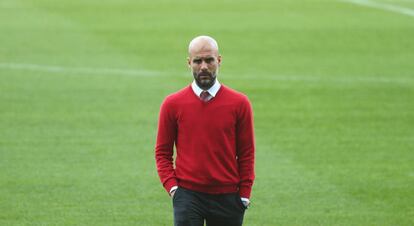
x=81 y=82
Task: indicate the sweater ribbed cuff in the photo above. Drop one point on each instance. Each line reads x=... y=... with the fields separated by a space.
x=245 y=192
x=169 y=184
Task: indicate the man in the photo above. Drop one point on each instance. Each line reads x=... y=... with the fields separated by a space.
x=211 y=126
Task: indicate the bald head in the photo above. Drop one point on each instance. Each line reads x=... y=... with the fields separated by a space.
x=203 y=44
x=204 y=60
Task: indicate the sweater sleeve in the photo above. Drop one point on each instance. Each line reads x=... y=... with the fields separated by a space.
x=164 y=148
x=245 y=148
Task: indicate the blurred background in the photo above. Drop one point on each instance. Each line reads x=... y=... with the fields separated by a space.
x=331 y=83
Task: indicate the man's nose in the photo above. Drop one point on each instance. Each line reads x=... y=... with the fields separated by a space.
x=204 y=65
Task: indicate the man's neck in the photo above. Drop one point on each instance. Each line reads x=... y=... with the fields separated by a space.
x=212 y=90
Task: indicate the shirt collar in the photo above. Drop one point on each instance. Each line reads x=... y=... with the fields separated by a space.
x=212 y=91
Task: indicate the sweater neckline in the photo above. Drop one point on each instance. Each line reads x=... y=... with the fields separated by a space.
x=218 y=94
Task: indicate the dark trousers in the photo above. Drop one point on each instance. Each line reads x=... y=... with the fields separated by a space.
x=193 y=208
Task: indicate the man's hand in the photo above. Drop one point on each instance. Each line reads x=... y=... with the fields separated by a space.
x=172 y=191
x=246 y=202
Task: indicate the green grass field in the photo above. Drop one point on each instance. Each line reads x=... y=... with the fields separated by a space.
x=81 y=82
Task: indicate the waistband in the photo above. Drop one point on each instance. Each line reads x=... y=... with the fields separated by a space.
x=209 y=189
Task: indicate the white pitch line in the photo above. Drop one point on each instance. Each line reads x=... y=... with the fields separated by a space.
x=148 y=73
x=88 y=70
x=384 y=6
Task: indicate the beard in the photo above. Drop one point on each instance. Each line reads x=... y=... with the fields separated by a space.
x=205 y=79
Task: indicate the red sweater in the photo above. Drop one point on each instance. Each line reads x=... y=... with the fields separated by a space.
x=214 y=142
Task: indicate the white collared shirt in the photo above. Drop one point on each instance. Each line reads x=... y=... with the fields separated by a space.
x=212 y=91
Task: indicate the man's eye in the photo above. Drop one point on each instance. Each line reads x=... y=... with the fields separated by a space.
x=197 y=61
x=209 y=60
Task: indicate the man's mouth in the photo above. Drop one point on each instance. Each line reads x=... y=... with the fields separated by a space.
x=204 y=75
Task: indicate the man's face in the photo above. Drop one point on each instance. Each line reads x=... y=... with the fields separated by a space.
x=204 y=66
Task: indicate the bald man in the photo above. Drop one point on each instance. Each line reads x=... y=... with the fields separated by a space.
x=211 y=126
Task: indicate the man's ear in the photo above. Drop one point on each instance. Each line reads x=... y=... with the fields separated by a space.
x=188 y=61
x=219 y=60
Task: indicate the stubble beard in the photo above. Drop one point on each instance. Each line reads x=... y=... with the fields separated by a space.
x=205 y=84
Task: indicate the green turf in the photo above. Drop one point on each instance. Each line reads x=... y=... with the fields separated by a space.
x=331 y=84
